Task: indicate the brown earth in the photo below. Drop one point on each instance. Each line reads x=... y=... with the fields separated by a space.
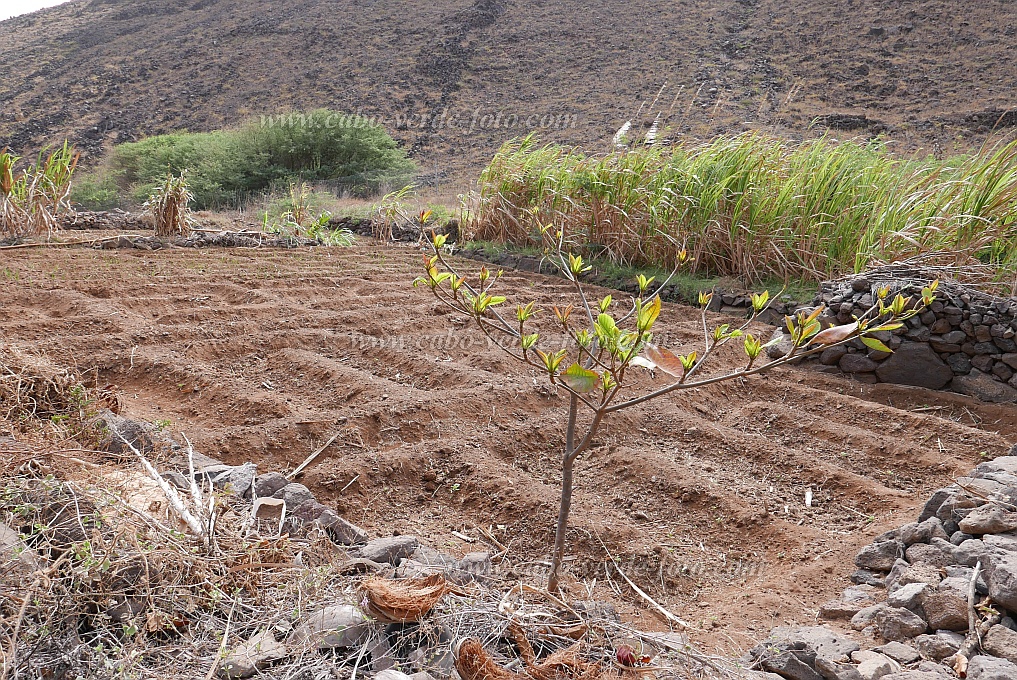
x=934 y=76
x=262 y=355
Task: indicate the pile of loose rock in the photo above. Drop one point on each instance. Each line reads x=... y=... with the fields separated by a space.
x=966 y=341
x=279 y=505
x=918 y=589
x=206 y=239
x=82 y=220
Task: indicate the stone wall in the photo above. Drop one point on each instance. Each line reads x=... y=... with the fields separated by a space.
x=965 y=341
x=918 y=589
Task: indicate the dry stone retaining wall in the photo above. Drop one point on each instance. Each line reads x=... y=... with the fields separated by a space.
x=917 y=589
x=966 y=341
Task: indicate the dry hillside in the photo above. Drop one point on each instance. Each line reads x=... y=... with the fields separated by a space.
x=932 y=74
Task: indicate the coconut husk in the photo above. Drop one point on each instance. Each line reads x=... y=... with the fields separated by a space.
x=474 y=663
x=567 y=664
x=522 y=643
x=404 y=601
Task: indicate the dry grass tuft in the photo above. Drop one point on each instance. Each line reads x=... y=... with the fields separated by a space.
x=170 y=207
x=33 y=386
x=107 y=581
x=568 y=664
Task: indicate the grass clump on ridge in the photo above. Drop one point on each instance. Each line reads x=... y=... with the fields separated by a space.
x=227 y=166
x=756 y=207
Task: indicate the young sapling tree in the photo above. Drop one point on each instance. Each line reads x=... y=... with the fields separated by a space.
x=591 y=349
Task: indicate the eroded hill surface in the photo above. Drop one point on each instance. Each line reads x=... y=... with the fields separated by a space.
x=453 y=79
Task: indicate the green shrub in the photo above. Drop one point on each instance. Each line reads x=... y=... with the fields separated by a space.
x=96 y=192
x=227 y=166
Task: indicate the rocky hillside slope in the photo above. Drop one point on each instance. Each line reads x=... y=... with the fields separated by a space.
x=933 y=75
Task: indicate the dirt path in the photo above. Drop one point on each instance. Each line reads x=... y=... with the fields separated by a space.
x=263 y=355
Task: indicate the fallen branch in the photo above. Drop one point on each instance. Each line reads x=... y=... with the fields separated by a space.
x=314 y=456
x=972 y=590
x=639 y=591
x=171 y=494
x=63 y=244
x=973 y=642
x=11 y=662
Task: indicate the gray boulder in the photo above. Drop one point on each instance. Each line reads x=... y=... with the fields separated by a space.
x=295 y=495
x=393 y=674
x=849 y=604
x=912 y=573
x=868 y=577
x=781 y=346
x=897 y=623
x=945 y=501
x=990 y=668
x=1001 y=641
x=1000 y=542
x=938 y=669
x=908 y=597
x=475 y=564
x=15 y=554
x=944 y=608
x=857 y=363
x=1007 y=464
x=937 y=647
x=934 y=555
x=879 y=556
x=791 y=660
x=268 y=483
x=252 y=656
x=241 y=479
x=429 y=556
x=874 y=666
x=988 y=519
x=831 y=670
x=308 y=511
x=970 y=552
x=915 y=364
x=1002 y=580
x=982 y=386
x=922 y=532
x=338 y=626
x=142 y=436
x=340 y=530
x=827 y=643
x=899 y=652
x=797 y=653
x=866 y=615
x=390 y=550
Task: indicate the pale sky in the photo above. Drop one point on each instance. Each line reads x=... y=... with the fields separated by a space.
x=12 y=8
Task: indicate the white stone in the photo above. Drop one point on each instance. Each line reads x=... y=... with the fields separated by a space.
x=340 y=625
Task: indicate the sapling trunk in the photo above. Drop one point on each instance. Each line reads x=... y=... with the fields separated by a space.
x=569 y=455
x=567 y=462
x=558 y=555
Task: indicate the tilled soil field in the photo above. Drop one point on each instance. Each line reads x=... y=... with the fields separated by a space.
x=263 y=355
